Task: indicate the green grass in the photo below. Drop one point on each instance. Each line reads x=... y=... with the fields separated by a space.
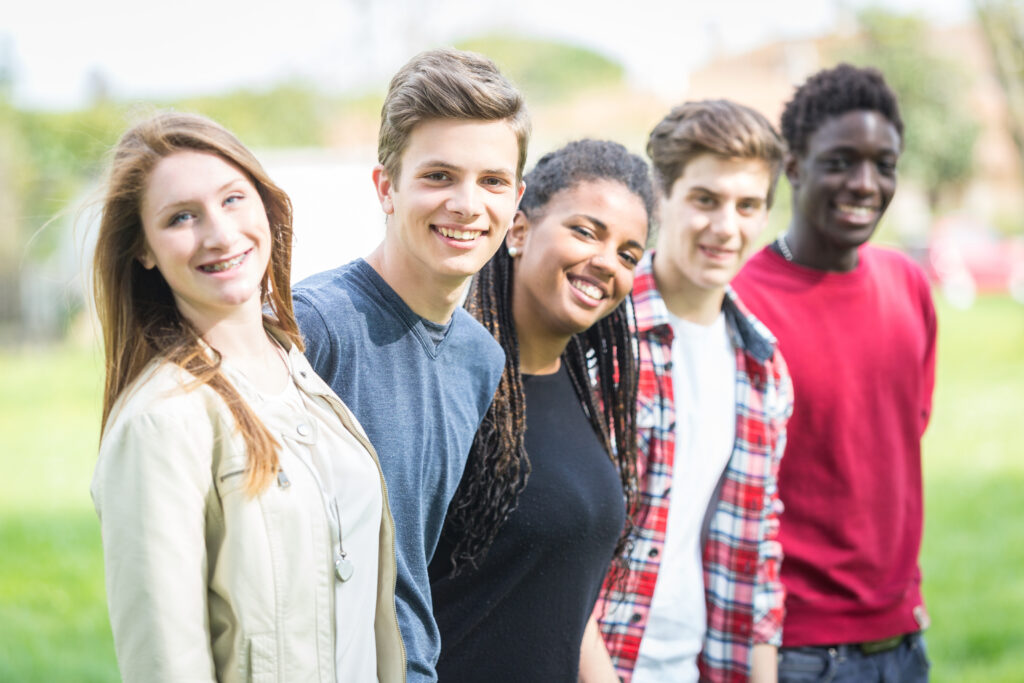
x=53 y=622
x=973 y=554
x=53 y=615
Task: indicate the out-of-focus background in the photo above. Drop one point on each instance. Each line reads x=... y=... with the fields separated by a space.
x=302 y=85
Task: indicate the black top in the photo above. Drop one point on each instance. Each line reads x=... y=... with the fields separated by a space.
x=521 y=616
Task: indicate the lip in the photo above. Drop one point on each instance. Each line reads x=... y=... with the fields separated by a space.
x=454 y=242
x=857 y=214
x=242 y=258
x=717 y=253
x=585 y=298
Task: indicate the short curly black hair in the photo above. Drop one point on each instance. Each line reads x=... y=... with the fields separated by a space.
x=582 y=161
x=833 y=92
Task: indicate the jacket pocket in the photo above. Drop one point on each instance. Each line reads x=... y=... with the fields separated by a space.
x=261 y=658
x=231 y=475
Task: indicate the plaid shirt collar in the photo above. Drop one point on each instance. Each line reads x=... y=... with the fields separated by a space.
x=653 y=317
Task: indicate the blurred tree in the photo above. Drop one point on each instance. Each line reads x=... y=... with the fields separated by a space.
x=547 y=70
x=940 y=131
x=1002 y=22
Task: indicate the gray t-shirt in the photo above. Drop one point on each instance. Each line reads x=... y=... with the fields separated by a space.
x=420 y=401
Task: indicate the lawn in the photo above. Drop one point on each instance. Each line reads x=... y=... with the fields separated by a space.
x=53 y=623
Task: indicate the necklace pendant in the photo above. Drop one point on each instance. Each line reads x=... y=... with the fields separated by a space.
x=343 y=567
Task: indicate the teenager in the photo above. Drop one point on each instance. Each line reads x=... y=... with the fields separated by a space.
x=541 y=510
x=245 y=525
x=857 y=325
x=702 y=597
x=387 y=332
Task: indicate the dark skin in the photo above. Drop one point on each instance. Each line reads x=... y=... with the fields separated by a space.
x=841 y=187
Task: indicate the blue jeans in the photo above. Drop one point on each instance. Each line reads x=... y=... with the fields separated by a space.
x=907 y=663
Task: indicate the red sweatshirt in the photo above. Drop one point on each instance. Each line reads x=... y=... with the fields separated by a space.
x=861 y=351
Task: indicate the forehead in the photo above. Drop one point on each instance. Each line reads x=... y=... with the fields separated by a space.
x=187 y=175
x=467 y=144
x=609 y=201
x=735 y=176
x=864 y=130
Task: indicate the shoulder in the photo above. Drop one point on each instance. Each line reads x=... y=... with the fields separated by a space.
x=329 y=289
x=162 y=397
x=896 y=268
x=467 y=330
x=161 y=422
x=336 y=305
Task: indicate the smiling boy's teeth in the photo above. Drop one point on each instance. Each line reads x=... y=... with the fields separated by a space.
x=588 y=289
x=463 y=235
x=856 y=210
x=223 y=265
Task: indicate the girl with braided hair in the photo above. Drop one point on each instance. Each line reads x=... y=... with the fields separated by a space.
x=543 y=505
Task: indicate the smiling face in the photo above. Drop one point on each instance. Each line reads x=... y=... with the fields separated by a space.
x=843 y=184
x=577 y=256
x=453 y=201
x=709 y=224
x=206 y=231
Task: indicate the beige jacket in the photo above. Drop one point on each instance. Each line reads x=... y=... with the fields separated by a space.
x=204 y=583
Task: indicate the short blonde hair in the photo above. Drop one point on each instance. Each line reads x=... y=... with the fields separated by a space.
x=448 y=84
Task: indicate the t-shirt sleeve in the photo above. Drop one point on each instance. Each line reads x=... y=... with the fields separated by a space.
x=315 y=333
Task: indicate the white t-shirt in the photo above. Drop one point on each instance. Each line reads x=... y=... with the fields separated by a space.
x=704 y=393
x=350 y=482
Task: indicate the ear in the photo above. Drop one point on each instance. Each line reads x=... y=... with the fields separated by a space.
x=519 y=193
x=146 y=258
x=791 y=164
x=382 y=183
x=516 y=235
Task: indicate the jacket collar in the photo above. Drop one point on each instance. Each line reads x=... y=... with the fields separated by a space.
x=652 y=315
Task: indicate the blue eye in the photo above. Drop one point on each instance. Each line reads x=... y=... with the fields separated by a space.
x=234 y=198
x=437 y=176
x=179 y=218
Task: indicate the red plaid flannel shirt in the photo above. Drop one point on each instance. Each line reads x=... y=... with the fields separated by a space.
x=741 y=552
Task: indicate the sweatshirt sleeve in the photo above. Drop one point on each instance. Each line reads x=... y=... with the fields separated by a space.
x=151 y=486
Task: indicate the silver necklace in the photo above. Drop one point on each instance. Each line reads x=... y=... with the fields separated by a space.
x=343 y=567
x=780 y=242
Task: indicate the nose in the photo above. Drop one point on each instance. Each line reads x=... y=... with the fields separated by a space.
x=603 y=261
x=218 y=230
x=725 y=224
x=464 y=200
x=863 y=179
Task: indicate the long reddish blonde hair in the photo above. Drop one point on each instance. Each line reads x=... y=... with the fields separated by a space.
x=135 y=306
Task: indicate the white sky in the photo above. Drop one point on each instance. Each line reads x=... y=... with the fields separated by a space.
x=159 y=49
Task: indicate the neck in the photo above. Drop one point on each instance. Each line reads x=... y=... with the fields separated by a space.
x=685 y=300
x=539 y=356
x=243 y=341
x=810 y=250
x=429 y=294
x=540 y=349
x=238 y=334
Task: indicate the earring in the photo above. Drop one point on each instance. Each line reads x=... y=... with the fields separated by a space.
x=513 y=252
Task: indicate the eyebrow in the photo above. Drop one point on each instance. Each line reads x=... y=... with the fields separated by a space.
x=437 y=163
x=163 y=209
x=601 y=225
x=853 y=149
x=701 y=188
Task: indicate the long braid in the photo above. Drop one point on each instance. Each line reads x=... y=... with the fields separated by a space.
x=498 y=467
